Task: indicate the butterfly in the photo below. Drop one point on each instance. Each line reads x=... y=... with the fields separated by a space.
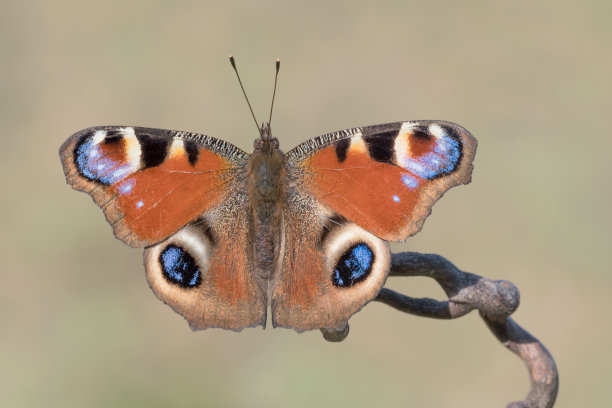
x=228 y=234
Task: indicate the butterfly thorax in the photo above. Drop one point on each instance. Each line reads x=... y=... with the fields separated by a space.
x=266 y=190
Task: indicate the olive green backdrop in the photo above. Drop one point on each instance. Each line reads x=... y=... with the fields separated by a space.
x=79 y=326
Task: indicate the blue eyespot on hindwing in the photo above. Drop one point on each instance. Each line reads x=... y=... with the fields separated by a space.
x=353 y=266
x=179 y=267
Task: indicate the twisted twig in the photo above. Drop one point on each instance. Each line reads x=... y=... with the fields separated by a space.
x=495 y=301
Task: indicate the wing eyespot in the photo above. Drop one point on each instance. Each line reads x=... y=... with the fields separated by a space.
x=355 y=257
x=180 y=262
x=106 y=156
x=179 y=267
x=354 y=266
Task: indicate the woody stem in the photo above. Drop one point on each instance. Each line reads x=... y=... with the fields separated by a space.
x=495 y=302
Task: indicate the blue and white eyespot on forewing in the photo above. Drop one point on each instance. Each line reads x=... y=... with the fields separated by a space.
x=96 y=166
x=441 y=160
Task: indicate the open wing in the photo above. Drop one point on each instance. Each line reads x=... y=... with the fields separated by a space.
x=150 y=182
x=385 y=178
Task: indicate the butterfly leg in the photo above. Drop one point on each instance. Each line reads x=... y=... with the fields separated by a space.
x=495 y=301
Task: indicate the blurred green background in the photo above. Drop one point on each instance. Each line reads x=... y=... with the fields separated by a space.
x=79 y=327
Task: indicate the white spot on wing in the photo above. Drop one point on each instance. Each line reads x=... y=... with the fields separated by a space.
x=177 y=148
x=357 y=143
x=128 y=132
x=133 y=151
x=437 y=130
x=402 y=147
x=99 y=136
x=407 y=127
x=403 y=153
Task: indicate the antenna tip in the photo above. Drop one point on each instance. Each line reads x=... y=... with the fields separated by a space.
x=277 y=64
x=231 y=58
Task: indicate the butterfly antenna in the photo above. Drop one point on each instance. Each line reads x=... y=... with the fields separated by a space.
x=274 y=93
x=233 y=62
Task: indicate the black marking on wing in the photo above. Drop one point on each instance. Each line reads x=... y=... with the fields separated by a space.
x=421 y=132
x=209 y=234
x=330 y=224
x=226 y=149
x=193 y=151
x=342 y=146
x=452 y=132
x=381 y=145
x=113 y=136
x=202 y=224
x=310 y=146
x=154 y=149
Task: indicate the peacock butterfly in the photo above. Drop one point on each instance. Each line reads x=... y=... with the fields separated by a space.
x=227 y=233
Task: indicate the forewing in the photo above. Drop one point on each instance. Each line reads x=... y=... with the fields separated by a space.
x=151 y=182
x=385 y=178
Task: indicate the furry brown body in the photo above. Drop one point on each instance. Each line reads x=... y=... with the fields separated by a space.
x=266 y=189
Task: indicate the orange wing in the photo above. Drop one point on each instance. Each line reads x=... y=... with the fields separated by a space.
x=345 y=190
x=182 y=195
x=150 y=182
x=385 y=178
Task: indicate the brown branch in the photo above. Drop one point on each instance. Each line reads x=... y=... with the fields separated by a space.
x=495 y=301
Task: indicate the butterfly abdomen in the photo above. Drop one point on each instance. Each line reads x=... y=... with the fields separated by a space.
x=266 y=188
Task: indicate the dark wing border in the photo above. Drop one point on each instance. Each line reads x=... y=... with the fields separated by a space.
x=310 y=146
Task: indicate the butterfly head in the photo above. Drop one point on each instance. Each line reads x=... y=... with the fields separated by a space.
x=265 y=143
